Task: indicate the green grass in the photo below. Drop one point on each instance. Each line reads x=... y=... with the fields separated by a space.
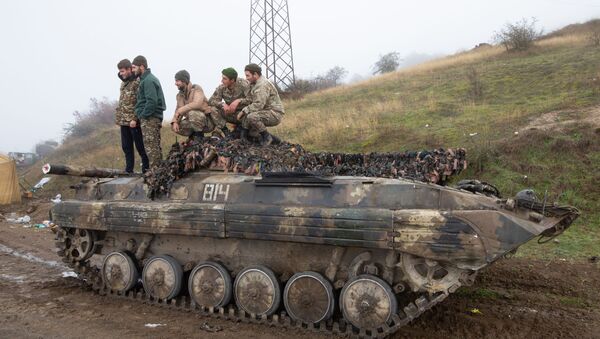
x=479 y=293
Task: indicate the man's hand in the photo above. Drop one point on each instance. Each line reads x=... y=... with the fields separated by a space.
x=240 y=115
x=133 y=123
x=234 y=105
x=175 y=127
x=227 y=109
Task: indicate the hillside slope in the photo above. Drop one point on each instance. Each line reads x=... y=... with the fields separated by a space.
x=527 y=119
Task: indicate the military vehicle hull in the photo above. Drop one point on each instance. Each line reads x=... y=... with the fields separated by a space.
x=345 y=254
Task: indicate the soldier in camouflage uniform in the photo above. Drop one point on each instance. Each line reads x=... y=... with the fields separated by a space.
x=131 y=132
x=265 y=108
x=149 y=108
x=229 y=98
x=192 y=115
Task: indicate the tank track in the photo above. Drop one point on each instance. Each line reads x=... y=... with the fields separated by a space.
x=91 y=276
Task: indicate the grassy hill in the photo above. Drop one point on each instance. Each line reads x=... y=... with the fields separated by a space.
x=529 y=119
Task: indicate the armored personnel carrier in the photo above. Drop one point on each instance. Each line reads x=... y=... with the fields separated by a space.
x=349 y=255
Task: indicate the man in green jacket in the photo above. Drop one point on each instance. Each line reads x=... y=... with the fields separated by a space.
x=149 y=108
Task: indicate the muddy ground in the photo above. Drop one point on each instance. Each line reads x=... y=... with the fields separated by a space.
x=514 y=298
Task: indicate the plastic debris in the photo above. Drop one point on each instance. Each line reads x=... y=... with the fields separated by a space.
x=208 y=328
x=41 y=183
x=40 y=226
x=20 y=220
x=69 y=274
x=475 y=311
x=154 y=325
x=56 y=199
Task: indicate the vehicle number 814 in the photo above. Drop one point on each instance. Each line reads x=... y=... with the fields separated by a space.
x=214 y=192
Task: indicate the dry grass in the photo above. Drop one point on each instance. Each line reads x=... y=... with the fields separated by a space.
x=564 y=40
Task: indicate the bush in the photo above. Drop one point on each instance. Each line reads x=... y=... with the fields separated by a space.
x=387 y=63
x=101 y=113
x=518 y=36
x=331 y=78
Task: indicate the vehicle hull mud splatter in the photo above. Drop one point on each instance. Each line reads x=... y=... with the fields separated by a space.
x=354 y=255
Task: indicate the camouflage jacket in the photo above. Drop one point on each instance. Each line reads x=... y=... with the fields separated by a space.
x=240 y=90
x=125 y=111
x=263 y=97
x=192 y=98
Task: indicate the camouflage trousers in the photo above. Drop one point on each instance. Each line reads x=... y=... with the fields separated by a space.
x=151 y=135
x=257 y=122
x=195 y=121
x=220 y=118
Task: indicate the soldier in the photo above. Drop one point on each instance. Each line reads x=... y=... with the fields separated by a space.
x=131 y=132
x=191 y=117
x=149 y=108
x=265 y=108
x=229 y=98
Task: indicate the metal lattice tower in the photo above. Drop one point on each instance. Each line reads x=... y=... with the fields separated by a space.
x=271 y=41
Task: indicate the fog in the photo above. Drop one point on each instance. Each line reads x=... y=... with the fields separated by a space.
x=56 y=55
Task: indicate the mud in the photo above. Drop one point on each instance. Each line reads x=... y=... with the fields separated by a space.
x=514 y=298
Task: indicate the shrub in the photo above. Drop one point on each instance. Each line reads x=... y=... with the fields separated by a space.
x=100 y=113
x=387 y=63
x=518 y=36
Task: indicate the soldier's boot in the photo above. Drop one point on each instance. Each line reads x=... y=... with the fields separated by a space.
x=196 y=137
x=266 y=138
x=237 y=132
x=218 y=134
x=244 y=135
x=276 y=140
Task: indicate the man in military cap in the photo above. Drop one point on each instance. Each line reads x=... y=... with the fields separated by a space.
x=229 y=98
x=131 y=132
x=149 y=108
x=265 y=108
x=191 y=116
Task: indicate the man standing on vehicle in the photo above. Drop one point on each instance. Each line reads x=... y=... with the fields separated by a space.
x=265 y=108
x=149 y=108
x=131 y=132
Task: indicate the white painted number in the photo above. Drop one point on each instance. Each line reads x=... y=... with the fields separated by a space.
x=213 y=191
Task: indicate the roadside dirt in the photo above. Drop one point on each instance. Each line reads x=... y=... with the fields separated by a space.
x=556 y=120
x=514 y=298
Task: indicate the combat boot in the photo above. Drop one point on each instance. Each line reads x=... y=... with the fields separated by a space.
x=237 y=131
x=244 y=135
x=266 y=138
x=197 y=137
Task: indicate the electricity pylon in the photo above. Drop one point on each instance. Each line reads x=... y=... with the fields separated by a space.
x=271 y=41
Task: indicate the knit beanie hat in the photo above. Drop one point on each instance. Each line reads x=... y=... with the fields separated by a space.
x=230 y=73
x=183 y=75
x=254 y=68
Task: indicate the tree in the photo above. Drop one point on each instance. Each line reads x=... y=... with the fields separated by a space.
x=101 y=113
x=518 y=36
x=387 y=63
x=336 y=74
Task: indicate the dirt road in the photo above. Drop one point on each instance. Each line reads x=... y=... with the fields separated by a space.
x=513 y=298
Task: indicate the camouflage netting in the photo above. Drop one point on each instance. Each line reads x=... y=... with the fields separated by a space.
x=231 y=155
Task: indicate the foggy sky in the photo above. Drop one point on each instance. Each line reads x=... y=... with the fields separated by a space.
x=56 y=55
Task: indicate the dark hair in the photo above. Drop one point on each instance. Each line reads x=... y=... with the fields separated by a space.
x=125 y=63
x=253 y=68
x=140 y=60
